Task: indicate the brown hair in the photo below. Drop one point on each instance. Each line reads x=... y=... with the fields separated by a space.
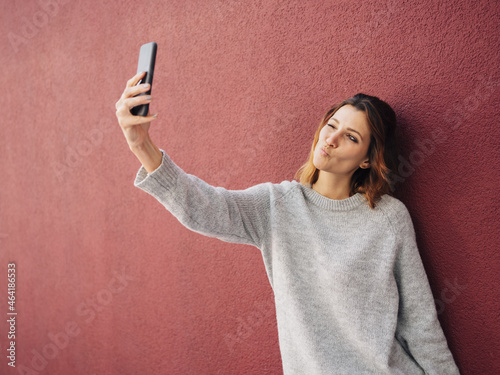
x=374 y=181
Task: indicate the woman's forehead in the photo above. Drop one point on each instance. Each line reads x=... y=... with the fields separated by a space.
x=350 y=116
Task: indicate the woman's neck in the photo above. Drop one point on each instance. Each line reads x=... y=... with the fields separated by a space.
x=333 y=186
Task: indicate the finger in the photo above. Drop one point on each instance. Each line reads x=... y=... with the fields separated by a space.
x=149 y=117
x=130 y=102
x=136 y=100
x=124 y=106
x=133 y=81
x=135 y=90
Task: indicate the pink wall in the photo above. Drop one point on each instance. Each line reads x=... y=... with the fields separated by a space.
x=108 y=282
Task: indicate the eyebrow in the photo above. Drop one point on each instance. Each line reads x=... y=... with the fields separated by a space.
x=351 y=129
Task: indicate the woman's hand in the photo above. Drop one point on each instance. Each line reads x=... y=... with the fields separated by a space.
x=136 y=128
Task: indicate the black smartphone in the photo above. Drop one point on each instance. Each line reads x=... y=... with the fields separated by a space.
x=147 y=57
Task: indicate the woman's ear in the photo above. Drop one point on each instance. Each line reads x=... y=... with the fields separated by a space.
x=365 y=164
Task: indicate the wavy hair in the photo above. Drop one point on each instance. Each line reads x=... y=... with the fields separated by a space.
x=374 y=181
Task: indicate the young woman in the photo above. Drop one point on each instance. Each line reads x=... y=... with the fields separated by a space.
x=351 y=293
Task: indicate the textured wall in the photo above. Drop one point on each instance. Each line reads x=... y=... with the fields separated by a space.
x=108 y=282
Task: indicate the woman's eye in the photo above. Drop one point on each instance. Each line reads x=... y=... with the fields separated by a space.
x=353 y=139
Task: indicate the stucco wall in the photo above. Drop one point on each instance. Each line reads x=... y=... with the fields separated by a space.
x=108 y=282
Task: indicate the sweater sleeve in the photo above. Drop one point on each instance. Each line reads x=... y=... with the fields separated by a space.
x=418 y=328
x=237 y=216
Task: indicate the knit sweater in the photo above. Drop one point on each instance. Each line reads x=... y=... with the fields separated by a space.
x=351 y=293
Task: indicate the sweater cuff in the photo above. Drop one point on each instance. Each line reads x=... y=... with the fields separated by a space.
x=165 y=175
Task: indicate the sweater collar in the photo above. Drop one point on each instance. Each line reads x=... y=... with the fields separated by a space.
x=333 y=204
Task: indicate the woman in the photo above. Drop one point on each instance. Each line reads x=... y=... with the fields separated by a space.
x=351 y=293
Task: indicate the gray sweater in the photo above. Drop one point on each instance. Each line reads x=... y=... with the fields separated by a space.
x=351 y=293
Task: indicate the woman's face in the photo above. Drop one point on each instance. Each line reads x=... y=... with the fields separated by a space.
x=348 y=135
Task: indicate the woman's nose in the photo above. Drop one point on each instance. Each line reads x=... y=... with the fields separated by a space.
x=333 y=139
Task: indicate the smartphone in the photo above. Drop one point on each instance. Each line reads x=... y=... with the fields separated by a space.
x=147 y=57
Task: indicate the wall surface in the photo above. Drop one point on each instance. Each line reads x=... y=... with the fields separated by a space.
x=108 y=282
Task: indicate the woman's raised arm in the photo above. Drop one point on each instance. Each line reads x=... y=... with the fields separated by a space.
x=136 y=128
x=232 y=216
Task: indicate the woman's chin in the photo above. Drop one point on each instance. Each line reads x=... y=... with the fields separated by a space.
x=320 y=162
